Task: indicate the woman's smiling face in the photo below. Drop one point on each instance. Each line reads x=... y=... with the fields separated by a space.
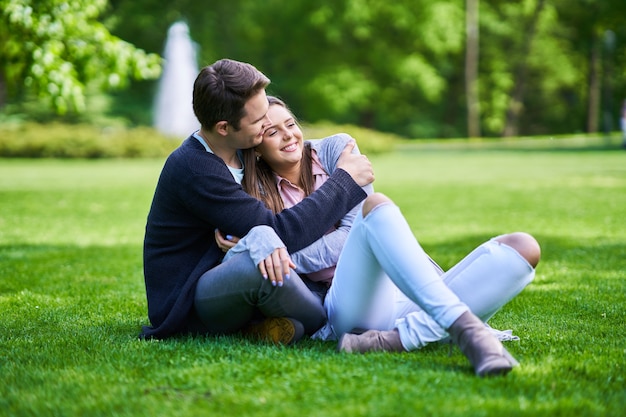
x=283 y=141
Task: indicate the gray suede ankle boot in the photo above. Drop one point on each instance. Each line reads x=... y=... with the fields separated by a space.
x=484 y=350
x=371 y=341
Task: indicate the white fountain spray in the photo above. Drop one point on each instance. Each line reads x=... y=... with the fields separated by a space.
x=173 y=113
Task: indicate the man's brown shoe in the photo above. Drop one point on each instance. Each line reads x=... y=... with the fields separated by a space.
x=277 y=330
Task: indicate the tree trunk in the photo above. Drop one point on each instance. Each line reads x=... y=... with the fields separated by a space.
x=471 y=69
x=595 y=85
x=516 y=102
x=3 y=91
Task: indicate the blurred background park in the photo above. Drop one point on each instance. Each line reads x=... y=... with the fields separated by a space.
x=416 y=69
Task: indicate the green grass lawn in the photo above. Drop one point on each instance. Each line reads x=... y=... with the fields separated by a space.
x=72 y=297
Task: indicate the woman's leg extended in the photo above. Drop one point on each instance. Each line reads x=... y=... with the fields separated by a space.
x=390 y=240
x=486 y=279
x=231 y=294
x=381 y=244
x=493 y=274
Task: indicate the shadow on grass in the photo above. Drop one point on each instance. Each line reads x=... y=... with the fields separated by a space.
x=99 y=290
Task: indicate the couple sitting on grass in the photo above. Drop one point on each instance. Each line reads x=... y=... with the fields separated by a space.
x=320 y=253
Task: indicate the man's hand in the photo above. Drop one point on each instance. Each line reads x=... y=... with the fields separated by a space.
x=225 y=242
x=276 y=267
x=358 y=166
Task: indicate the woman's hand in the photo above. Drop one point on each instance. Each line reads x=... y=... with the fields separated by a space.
x=225 y=242
x=276 y=267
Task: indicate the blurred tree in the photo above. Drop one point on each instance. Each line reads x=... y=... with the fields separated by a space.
x=57 y=49
x=378 y=64
x=471 y=68
x=522 y=58
x=541 y=64
x=399 y=66
x=520 y=70
x=146 y=22
x=399 y=56
x=598 y=32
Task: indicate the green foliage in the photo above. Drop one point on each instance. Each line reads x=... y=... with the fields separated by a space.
x=399 y=67
x=57 y=48
x=391 y=66
x=358 y=62
x=551 y=69
x=364 y=77
x=82 y=141
x=72 y=297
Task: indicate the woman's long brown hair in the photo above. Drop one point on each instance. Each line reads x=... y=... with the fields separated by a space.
x=260 y=181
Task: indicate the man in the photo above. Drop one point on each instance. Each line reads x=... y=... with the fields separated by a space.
x=188 y=289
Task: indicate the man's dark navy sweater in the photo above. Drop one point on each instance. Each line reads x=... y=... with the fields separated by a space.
x=195 y=195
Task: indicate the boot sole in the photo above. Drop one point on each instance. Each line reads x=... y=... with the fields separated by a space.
x=340 y=344
x=500 y=366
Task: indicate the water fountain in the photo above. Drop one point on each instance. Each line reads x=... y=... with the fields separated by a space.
x=173 y=112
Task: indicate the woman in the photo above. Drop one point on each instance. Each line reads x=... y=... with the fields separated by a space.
x=382 y=279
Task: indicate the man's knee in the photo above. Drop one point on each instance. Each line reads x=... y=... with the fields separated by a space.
x=525 y=244
x=373 y=201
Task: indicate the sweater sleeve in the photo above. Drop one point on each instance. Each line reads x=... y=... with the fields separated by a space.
x=260 y=243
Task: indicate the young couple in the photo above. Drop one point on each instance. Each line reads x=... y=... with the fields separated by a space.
x=381 y=278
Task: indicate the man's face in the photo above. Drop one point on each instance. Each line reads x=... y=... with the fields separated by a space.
x=253 y=124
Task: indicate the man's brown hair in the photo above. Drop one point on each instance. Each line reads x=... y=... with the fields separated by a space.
x=222 y=89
